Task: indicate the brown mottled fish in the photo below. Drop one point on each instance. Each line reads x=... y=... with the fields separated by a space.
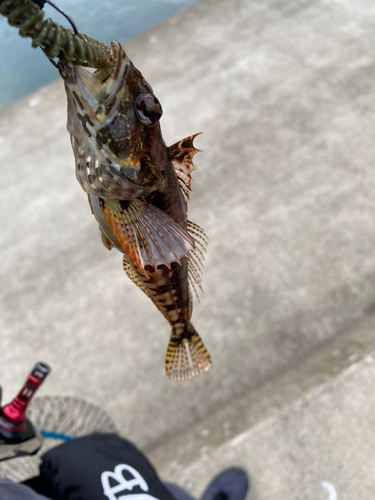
x=138 y=190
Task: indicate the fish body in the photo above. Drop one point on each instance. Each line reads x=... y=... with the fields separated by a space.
x=138 y=190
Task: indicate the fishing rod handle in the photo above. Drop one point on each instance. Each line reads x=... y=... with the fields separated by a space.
x=14 y=414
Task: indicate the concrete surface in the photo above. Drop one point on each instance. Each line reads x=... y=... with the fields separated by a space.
x=306 y=436
x=284 y=91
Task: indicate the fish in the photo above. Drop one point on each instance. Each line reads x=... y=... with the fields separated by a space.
x=138 y=190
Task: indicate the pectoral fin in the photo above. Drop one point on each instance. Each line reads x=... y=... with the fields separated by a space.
x=147 y=234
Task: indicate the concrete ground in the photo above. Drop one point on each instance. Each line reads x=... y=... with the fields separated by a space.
x=285 y=190
x=305 y=435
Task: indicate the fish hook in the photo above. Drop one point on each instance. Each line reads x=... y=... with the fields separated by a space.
x=41 y=4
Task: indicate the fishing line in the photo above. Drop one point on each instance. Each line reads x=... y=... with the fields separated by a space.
x=56 y=435
x=70 y=20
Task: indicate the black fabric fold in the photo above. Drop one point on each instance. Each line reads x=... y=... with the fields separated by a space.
x=100 y=467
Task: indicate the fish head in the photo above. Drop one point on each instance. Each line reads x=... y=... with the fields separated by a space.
x=113 y=121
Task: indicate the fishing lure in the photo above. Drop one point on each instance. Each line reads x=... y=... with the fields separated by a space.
x=138 y=190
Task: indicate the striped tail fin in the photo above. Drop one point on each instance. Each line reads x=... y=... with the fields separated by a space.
x=186 y=357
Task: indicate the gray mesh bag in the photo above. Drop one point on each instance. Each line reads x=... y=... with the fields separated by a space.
x=61 y=415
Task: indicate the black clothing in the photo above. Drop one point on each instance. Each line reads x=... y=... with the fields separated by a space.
x=100 y=467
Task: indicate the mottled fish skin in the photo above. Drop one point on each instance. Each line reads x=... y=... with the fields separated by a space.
x=116 y=155
x=120 y=155
x=138 y=191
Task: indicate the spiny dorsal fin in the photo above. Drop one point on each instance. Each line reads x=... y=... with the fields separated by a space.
x=182 y=154
x=147 y=235
x=196 y=256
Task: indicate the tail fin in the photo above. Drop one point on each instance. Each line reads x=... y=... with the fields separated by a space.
x=186 y=357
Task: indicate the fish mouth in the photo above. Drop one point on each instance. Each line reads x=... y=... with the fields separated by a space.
x=96 y=93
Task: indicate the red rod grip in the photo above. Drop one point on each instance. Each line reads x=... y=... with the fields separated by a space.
x=13 y=415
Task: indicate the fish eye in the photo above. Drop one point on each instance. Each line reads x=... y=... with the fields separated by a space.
x=148 y=109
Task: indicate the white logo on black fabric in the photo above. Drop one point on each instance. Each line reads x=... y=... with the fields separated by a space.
x=121 y=485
